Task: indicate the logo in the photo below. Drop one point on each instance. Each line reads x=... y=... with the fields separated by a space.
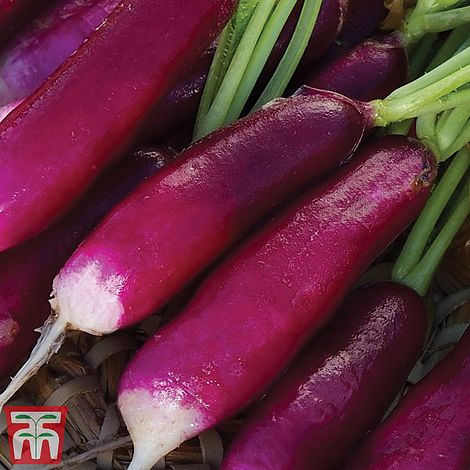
x=36 y=433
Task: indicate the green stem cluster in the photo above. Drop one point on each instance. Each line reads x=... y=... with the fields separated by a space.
x=251 y=42
x=434 y=17
x=416 y=266
x=445 y=134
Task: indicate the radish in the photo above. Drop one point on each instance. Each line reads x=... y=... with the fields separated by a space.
x=206 y=214
x=430 y=428
x=257 y=310
x=340 y=386
x=195 y=209
x=368 y=352
x=82 y=118
x=363 y=20
x=371 y=70
x=35 y=54
x=27 y=271
x=179 y=107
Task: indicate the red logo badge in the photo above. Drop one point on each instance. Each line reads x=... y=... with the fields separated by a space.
x=36 y=433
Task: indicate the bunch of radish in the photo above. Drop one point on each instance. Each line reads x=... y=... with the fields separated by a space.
x=279 y=200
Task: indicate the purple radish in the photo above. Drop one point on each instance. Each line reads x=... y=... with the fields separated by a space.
x=371 y=70
x=27 y=271
x=191 y=212
x=179 y=107
x=255 y=312
x=430 y=428
x=363 y=20
x=339 y=387
x=56 y=143
x=35 y=54
x=194 y=210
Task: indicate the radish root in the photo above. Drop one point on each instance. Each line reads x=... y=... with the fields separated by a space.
x=52 y=337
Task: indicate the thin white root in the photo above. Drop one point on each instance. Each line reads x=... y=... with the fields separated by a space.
x=52 y=337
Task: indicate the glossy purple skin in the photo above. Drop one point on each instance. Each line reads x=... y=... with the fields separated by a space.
x=255 y=312
x=179 y=107
x=27 y=271
x=36 y=53
x=339 y=387
x=363 y=20
x=372 y=70
x=191 y=212
x=430 y=428
x=55 y=144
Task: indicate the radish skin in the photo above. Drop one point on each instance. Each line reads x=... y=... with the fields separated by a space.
x=363 y=20
x=370 y=71
x=258 y=309
x=339 y=387
x=27 y=271
x=35 y=54
x=193 y=211
x=49 y=155
x=430 y=428
x=190 y=213
x=179 y=107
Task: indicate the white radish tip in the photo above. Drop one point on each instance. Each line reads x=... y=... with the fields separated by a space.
x=87 y=300
x=157 y=424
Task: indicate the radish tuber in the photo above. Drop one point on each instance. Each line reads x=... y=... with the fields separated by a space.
x=27 y=271
x=255 y=312
x=339 y=387
x=55 y=144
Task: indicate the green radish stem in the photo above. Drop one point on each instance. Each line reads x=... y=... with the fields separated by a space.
x=228 y=89
x=453 y=123
x=414 y=247
x=426 y=131
x=434 y=98
x=293 y=55
x=228 y=42
x=400 y=127
x=260 y=57
x=442 y=118
x=450 y=66
x=435 y=5
x=462 y=139
x=434 y=22
x=440 y=132
x=219 y=107
x=421 y=54
x=420 y=277
x=450 y=46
